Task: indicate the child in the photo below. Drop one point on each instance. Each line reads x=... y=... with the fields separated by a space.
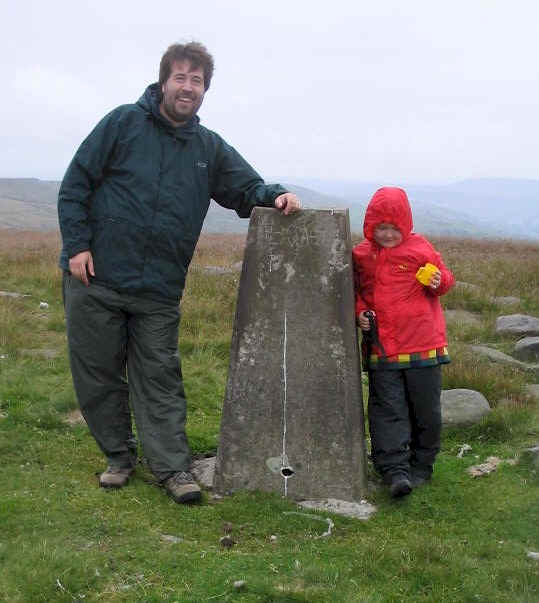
x=408 y=340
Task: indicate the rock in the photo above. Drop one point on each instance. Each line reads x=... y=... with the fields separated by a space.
x=532 y=389
x=517 y=324
x=461 y=317
x=204 y=470
x=527 y=349
x=43 y=305
x=227 y=542
x=533 y=555
x=13 y=294
x=294 y=387
x=170 y=538
x=463 y=407
x=463 y=450
x=531 y=455
x=48 y=353
x=357 y=510
x=497 y=356
x=239 y=585
x=234 y=268
x=75 y=418
x=218 y=270
x=506 y=300
x=228 y=527
x=490 y=465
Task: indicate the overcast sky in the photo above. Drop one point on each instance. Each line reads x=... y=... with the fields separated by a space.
x=388 y=91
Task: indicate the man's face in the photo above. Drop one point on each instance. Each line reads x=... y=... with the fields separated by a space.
x=387 y=235
x=183 y=93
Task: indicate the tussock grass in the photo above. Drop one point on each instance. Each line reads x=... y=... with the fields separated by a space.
x=65 y=539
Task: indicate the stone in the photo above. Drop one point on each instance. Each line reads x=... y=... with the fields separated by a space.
x=532 y=389
x=48 y=353
x=462 y=317
x=13 y=294
x=203 y=471
x=171 y=538
x=218 y=270
x=527 y=349
x=233 y=269
x=517 y=324
x=490 y=465
x=357 y=510
x=292 y=418
x=531 y=456
x=463 y=407
x=75 y=418
x=497 y=356
x=506 y=300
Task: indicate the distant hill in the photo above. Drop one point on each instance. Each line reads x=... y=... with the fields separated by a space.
x=28 y=203
x=500 y=207
x=472 y=208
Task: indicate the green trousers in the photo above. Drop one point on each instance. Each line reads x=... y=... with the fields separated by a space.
x=124 y=356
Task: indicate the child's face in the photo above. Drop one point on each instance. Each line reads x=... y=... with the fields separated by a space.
x=387 y=235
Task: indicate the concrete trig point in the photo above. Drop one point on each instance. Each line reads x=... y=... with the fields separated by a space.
x=293 y=412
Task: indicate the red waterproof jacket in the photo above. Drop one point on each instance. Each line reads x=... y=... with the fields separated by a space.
x=408 y=314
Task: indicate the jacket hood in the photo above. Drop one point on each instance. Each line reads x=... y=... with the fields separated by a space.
x=149 y=102
x=388 y=205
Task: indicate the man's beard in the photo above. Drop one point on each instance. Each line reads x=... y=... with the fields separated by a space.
x=180 y=117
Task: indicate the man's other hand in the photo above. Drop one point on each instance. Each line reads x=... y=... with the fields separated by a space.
x=288 y=203
x=81 y=265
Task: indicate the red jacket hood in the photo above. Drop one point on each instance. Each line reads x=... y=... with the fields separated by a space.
x=388 y=205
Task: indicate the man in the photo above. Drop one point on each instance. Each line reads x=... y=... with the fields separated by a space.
x=131 y=208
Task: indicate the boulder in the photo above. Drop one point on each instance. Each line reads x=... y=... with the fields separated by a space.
x=517 y=324
x=497 y=356
x=463 y=407
x=527 y=349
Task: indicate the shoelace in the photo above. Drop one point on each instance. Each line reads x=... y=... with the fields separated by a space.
x=182 y=477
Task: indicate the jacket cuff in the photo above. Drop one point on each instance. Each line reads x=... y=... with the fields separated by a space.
x=73 y=249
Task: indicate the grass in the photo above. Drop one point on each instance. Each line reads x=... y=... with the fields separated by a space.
x=65 y=539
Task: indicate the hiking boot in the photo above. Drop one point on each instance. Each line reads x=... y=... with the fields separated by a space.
x=183 y=488
x=115 y=477
x=399 y=487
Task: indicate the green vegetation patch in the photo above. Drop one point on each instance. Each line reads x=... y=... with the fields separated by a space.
x=65 y=539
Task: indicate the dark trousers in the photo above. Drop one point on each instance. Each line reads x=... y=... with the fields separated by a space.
x=123 y=352
x=405 y=419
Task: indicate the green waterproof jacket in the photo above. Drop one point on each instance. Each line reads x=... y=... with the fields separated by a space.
x=137 y=192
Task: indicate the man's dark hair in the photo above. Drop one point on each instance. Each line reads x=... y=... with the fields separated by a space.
x=194 y=52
